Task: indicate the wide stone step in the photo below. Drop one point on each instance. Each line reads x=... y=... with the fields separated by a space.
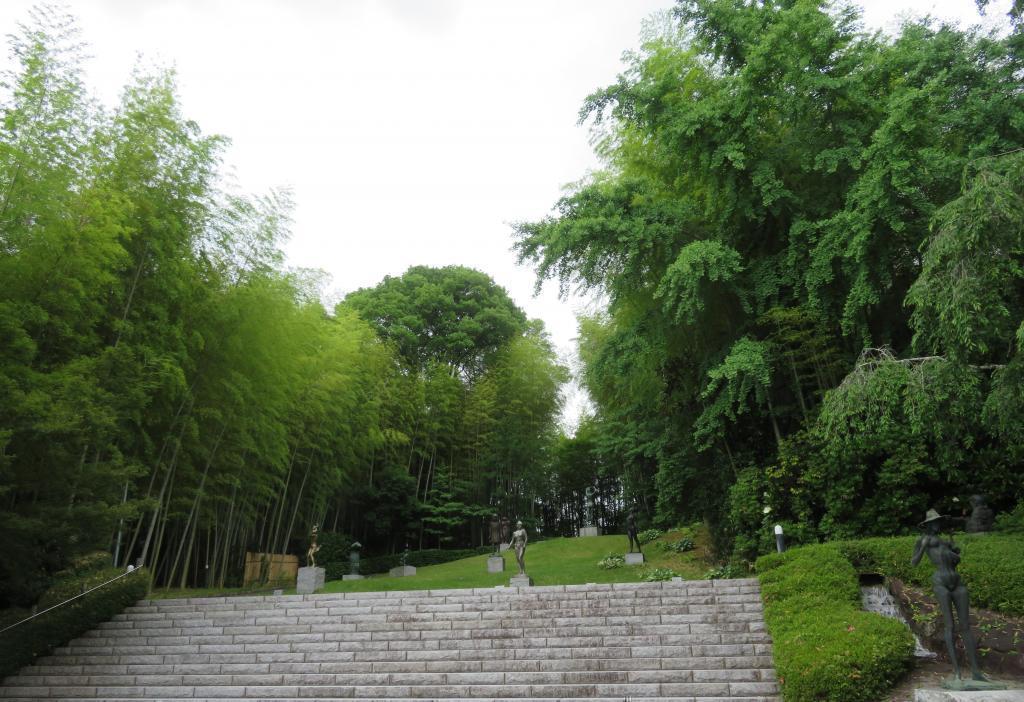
x=303 y=666
x=419 y=690
x=145 y=664
x=772 y=698
x=482 y=638
x=477 y=677
x=719 y=588
x=441 y=611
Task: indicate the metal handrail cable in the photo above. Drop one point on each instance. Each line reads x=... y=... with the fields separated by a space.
x=131 y=569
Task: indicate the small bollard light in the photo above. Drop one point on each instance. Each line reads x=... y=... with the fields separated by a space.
x=780 y=540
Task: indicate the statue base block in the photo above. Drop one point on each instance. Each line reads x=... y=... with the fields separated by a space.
x=504 y=547
x=402 y=571
x=310 y=580
x=1004 y=695
x=971 y=685
x=634 y=558
x=590 y=531
x=495 y=564
x=350 y=576
x=520 y=581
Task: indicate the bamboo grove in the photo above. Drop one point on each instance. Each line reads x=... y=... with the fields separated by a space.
x=171 y=392
x=811 y=237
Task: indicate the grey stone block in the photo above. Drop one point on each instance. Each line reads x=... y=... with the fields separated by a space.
x=495 y=564
x=402 y=571
x=927 y=695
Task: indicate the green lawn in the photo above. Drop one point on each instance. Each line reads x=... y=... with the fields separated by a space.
x=550 y=562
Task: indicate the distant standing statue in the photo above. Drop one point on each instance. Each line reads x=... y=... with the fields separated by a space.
x=313 y=548
x=588 y=505
x=949 y=589
x=519 y=545
x=631 y=531
x=506 y=531
x=405 y=555
x=982 y=516
x=495 y=533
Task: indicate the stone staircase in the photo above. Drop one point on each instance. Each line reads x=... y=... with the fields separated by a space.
x=691 y=640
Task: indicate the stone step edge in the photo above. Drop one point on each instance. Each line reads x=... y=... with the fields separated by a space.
x=404 y=699
x=538 y=589
x=136 y=611
x=711 y=689
x=152 y=679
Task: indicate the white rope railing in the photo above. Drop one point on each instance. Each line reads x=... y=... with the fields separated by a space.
x=131 y=569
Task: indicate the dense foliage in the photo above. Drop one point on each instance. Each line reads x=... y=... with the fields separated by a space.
x=27 y=641
x=811 y=240
x=825 y=646
x=171 y=392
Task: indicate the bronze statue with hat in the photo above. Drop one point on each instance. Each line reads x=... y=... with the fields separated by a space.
x=951 y=592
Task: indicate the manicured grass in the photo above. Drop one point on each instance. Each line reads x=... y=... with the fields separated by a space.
x=550 y=562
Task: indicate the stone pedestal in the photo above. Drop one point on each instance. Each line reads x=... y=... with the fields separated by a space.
x=520 y=581
x=634 y=558
x=352 y=577
x=590 y=531
x=504 y=547
x=495 y=564
x=968 y=695
x=310 y=579
x=402 y=571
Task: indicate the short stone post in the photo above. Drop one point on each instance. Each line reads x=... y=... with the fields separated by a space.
x=353 y=563
x=780 y=540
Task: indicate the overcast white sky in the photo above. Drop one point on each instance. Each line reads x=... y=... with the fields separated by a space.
x=410 y=131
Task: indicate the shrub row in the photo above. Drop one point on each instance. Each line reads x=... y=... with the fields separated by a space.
x=826 y=647
x=38 y=637
x=419 y=559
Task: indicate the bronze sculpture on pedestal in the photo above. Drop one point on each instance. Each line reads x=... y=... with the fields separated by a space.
x=631 y=531
x=519 y=545
x=495 y=534
x=313 y=548
x=950 y=591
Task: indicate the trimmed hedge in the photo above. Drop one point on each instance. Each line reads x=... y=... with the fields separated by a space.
x=826 y=647
x=23 y=644
x=419 y=559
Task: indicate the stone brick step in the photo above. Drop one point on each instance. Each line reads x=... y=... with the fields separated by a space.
x=479 y=677
x=455 y=620
x=330 y=641
x=310 y=664
x=408 y=691
x=772 y=698
x=335 y=630
x=431 y=604
x=417 y=622
x=725 y=590
x=300 y=609
x=412 y=597
x=139 y=661
x=508 y=649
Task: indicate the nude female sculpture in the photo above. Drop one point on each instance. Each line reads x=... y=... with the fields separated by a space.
x=519 y=544
x=631 y=531
x=949 y=588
